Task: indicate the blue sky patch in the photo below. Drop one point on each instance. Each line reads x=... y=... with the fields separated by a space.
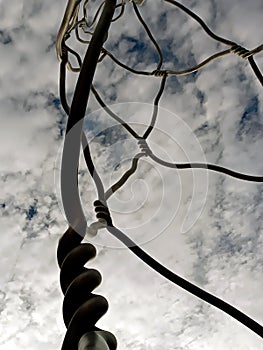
x=250 y=124
x=252 y=107
x=5 y=38
x=137 y=45
x=31 y=212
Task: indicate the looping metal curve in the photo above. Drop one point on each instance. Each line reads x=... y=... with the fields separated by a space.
x=81 y=308
x=102 y=212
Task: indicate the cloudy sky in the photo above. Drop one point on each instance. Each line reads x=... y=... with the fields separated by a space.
x=205 y=227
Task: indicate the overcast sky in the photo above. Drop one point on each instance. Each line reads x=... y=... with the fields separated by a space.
x=205 y=227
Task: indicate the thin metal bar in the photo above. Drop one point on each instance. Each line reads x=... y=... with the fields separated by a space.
x=124 y=177
x=201 y=22
x=207 y=166
x=185 y=284
x=71 y=8
x=256 y=69
x=112 y=114
x=156 y=107
x=150 y=35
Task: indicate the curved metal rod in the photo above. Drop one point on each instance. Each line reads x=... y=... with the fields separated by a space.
x=213 y=167
x=85 y=5
x=73 y=21
x=95 y=16
x=124 y=65
x=256 y=70
x=149 y=35
x=124 y=177
x=81 y=308
x=81 y=24
x=86 y=152
x=192 y=69
x=62 y=86
x=200 y=65
x=169 y=72
x=156 y=107
x=202 y=23
x=92 y=170
x=221 y=39
x=71 y=9
x=71 y=151
x=69 y=66
x=121 y=12
x=179 y=166
x=76 y=115
x=186 y=285
x=79 y=38
x=112 y=114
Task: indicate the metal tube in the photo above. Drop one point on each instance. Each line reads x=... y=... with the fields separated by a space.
x=71 y=151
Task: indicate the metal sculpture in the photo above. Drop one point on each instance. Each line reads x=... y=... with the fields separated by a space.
x=81 y=308
x=81 y=311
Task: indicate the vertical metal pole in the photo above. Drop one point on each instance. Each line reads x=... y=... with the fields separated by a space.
x=93 y=307
x=71 y=151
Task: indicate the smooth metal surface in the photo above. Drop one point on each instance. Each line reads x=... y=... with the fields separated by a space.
x=71 y=150
x=93 y=341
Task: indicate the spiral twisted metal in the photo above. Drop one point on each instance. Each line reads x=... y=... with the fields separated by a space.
x=103 y=216
x=81 y=308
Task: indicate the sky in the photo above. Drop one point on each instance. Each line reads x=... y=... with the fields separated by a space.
x=204 y=226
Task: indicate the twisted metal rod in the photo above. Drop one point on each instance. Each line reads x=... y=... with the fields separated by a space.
x=81 y=308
